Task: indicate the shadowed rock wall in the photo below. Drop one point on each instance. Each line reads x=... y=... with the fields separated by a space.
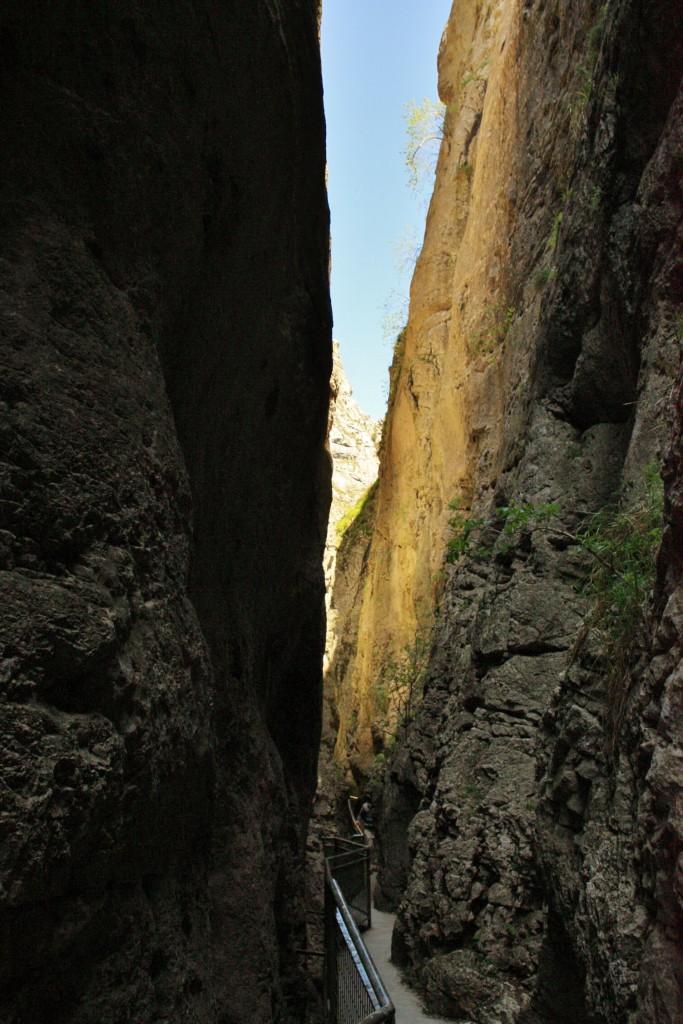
x=165 y=363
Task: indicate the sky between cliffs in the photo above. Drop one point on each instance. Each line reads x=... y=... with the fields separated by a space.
x=377 y=56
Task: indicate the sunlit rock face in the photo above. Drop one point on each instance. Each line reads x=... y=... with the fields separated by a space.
x=353 y=439
x=166 y=356
x=539 y=878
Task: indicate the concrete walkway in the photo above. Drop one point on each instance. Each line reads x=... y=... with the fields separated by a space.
x=378 y=941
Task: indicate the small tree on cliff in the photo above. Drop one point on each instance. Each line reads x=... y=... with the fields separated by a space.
x=400 y=687
x=424 y=132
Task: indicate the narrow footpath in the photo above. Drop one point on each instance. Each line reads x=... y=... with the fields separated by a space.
x=378 y=941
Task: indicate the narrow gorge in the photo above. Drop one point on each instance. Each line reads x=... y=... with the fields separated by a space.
x=504 y=604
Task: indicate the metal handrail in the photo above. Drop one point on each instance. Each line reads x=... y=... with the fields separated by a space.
x=349 y=862
x=354 y=991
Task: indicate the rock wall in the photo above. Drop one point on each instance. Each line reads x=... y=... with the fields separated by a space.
x=538 y=880
x=354 y=439
x=165 y=365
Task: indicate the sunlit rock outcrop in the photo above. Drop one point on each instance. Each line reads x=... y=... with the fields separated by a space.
x=165 y=357
x=354 y=438
x=538 y=881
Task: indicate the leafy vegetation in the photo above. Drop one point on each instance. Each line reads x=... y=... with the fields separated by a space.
x=596 y=31
x=555 y=231
x=498 y=319
x=579 y=104
x=424 y=132
x=541 y=277
x=357 y=522
x=354 y=515
x=623 y=543
x=407 y=249
x=394 y=314
x=508 y=519
x=463 y=527
x=399 y=689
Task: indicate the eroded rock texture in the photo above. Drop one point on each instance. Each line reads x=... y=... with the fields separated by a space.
x=165 y=364
x=540 y=877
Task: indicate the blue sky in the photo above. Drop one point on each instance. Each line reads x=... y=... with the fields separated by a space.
x=378 y=55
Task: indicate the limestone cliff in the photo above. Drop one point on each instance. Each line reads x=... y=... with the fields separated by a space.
x=354 y=438
x=539 y=878
x=164 y=392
